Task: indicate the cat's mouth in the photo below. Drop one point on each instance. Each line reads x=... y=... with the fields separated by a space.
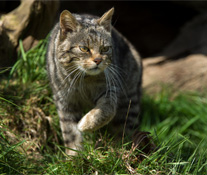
x=95 y=68
x=94 y=71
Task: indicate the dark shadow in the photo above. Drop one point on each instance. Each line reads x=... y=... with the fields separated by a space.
x=150 y=26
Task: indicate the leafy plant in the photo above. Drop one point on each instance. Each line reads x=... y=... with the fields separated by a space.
x=31 y=64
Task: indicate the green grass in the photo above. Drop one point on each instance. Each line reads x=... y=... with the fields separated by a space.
x=31 y=142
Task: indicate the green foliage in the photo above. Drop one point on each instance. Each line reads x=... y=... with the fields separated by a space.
x=31 y=64
x=182 y=118
x=10 y=160
x=184 y=114
x=30 y=137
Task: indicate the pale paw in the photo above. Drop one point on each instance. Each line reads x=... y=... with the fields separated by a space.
x=86 y=125
x=71 y=152
x=81 y=126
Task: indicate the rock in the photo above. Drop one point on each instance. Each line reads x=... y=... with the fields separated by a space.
x=31 y=21
x=188 y=73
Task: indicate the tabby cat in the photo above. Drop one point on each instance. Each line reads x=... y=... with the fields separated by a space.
x=92 y=67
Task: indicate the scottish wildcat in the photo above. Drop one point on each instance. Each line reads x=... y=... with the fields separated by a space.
x=92 y=66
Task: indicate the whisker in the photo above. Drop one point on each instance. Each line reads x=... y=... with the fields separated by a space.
x=113 y=86
x=64 y=80
x=108 y=85
x=119 y=79
x=117 y=67
x=72 y=83
x=71 y=68
x=77 y=75
x=81 y=84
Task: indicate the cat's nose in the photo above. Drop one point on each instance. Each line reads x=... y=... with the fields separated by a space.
x=98 y=60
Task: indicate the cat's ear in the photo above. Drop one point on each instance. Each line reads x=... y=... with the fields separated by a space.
x=105 y=20
x=68 y=23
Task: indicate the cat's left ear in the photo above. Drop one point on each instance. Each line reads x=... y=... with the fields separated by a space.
x=68 y=23
x=105 y=20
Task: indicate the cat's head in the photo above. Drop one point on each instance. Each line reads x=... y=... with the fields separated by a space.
x=85 y=42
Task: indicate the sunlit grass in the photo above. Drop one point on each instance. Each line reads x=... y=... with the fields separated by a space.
x=31 y=142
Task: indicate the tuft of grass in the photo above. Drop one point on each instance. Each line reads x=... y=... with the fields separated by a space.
x=182 y=117
x=31 y=142
x=30 y=66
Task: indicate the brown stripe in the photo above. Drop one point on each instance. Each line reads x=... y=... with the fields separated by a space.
x=65 y=120
x=67 y=132
x=70 y=140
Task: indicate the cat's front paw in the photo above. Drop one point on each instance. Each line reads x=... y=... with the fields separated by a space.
x=82 y=125
x=88 y=123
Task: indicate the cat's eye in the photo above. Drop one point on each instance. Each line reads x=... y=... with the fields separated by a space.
x=104 y=49
x=84 y=48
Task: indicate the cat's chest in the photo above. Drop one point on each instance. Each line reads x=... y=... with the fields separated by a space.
x=85 y=95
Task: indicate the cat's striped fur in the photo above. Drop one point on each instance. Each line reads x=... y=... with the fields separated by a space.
x=92 y=67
